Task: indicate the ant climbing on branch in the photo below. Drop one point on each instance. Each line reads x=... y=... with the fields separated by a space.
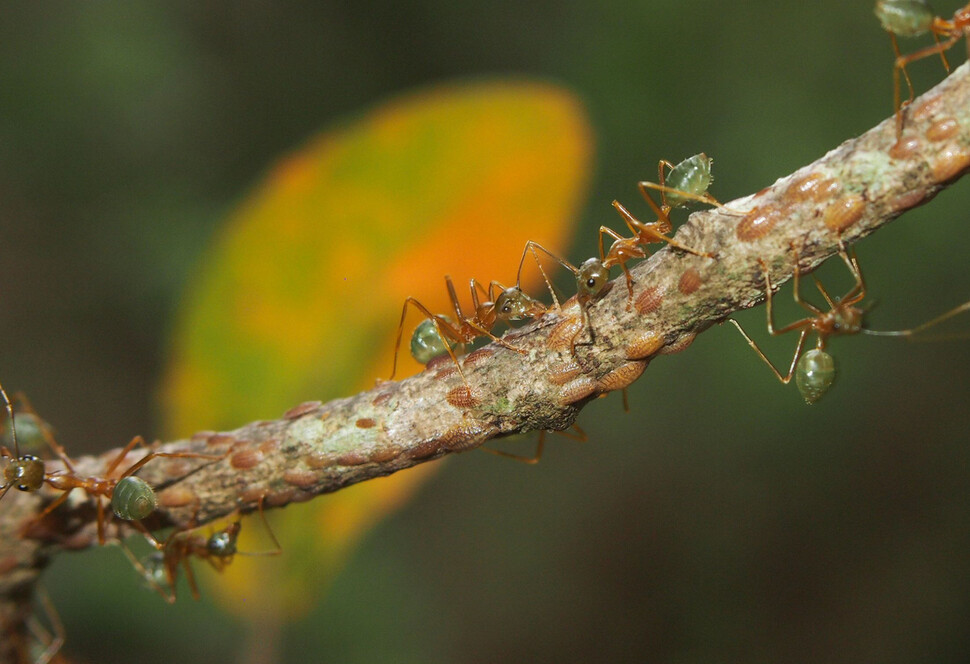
x=218 y=549
x=131 y=498
x=499 y=304
x=912 y=18
x=814 y=370
x=690 y=180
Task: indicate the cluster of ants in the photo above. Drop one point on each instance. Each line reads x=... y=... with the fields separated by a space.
x=133 y=499
x=689 y=180
x=130 y=499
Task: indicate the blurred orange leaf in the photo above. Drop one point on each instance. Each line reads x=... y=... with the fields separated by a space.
x=300 y=295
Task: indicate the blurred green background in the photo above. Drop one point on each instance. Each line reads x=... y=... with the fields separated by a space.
x=721 y=520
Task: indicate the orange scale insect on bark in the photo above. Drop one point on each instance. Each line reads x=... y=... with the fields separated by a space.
x=943 y=129
x=649 y=300
x=678 y=346
x=563 y=372
x=950 y=164
x=353 y=458
x=385 y=454
x=246 y=459
x=461 y=397
x=844 y=212
x=622 y=377
x=577 y=390
x=426 y=449
x=221 y=440
x=301 y=410
x=478 y=356
x=905 y=148
x=300 y=478
x=758 y=223
x=690 y=281
x=644 y=344
x=177 y=496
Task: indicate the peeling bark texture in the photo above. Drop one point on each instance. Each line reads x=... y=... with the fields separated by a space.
x=317 y=448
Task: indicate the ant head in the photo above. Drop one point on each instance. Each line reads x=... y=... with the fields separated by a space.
x=513 y=304
x=591 y=279
x=26 y=473
x=223 y=543
x=848 y=320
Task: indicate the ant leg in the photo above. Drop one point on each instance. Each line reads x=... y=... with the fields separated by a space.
x=278 y=547
x=55 y=637
x=664 y=189
x=444 y=329
x=619 y=244
x=149 y=578
x=858 y=292
x=113 y=466
x=897 y=68
x=938 y=47
x=531 y=460
x=656 y=229
x=794 y=361
x=920 y=328
x=579 y=435
x=531 y=246
x=135 y=467
x=190 y=577
x=770 y=314
x=53 y=506
x=946 y=64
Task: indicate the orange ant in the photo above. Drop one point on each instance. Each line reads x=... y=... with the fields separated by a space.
x=26 y=472
x=160 y=569
x=912 y=18
x=131 y=498
x=689 y=180
x=814 y=370
x=499 y=304
x=592 y=278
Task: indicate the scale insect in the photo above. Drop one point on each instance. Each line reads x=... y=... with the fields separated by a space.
x=814 y=370
x=912 y=18
x=592 y=281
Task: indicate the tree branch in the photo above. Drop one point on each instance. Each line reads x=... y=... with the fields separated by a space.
x=318 y=448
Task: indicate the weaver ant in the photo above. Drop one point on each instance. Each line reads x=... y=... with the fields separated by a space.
x=131 y=498
x=160 y=569
x=691 y=179
x=499 y=304
x=814 y=370
x=912 y=18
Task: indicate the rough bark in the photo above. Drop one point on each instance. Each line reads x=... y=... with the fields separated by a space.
x=317 y=448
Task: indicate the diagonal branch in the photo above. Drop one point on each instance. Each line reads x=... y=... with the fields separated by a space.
x=318 y=448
